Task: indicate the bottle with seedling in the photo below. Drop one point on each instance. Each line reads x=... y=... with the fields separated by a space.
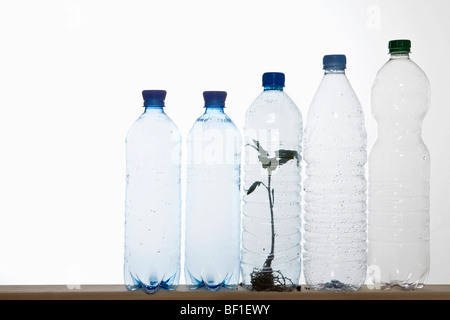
x=270 y=254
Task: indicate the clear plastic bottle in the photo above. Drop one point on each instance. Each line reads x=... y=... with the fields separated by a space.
x=399 y=174
x=271 y=239
x=335 y=225
x=213 y=198
x=153 y=199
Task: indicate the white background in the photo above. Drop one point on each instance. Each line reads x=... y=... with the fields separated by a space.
x=71 y=76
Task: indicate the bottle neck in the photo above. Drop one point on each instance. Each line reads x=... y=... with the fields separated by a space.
x=214 y=109
x=399 y=55
x=272 y=87
x=334 y=71
x=154 y=109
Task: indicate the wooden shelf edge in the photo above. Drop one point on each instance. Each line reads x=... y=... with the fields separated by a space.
x=119 y=292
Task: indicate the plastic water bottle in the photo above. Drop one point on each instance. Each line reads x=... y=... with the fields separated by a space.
x=153 y=199
x=399 y=174
x=335 y=225
x=213 y=198
x=271 y=239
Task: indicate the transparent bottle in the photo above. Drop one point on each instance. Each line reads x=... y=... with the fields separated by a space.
x=335 y=225
x=399 y=174
x=213 y=198
x=271 y=239
x=153 y=199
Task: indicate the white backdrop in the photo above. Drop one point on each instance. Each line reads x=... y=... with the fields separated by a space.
x=71 y=76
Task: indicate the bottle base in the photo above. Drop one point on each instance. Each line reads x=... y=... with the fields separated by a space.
x=401 y=284
x=133 y=284
x=197 y=284
x=267 y=279
x=194 y=283
x=211 y=287
x=150 y=289
x=334 y=286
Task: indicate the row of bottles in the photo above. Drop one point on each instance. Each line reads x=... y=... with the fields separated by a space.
x=263 y=248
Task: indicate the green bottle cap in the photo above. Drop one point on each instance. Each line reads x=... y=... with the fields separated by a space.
x=398 y=46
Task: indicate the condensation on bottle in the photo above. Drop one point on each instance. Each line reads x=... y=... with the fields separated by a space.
x=212 y=235
x=271 y=238
x=335 y=220
x=399 y=174
x=153 y=199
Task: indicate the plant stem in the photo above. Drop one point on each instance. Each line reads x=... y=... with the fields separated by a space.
x=270 y=257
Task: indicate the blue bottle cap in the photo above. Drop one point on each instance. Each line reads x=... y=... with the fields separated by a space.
x=154 y=97
x=335 y=62
x=215 y=98
x=273 y=79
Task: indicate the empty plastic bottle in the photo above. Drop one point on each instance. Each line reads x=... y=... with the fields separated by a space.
x=153 y=199
x=335 y=226
x=213 y=198
x=399 y=174
x=271 y=239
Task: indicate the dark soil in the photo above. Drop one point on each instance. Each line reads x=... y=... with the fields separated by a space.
x=267 y=279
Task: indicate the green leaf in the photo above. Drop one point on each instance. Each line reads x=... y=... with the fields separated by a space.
x=281 y=156
x=253 y=187
x=268 y=162
x=286 y=155
x=260 y=149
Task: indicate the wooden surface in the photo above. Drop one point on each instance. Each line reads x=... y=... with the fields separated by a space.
x=119 y=292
